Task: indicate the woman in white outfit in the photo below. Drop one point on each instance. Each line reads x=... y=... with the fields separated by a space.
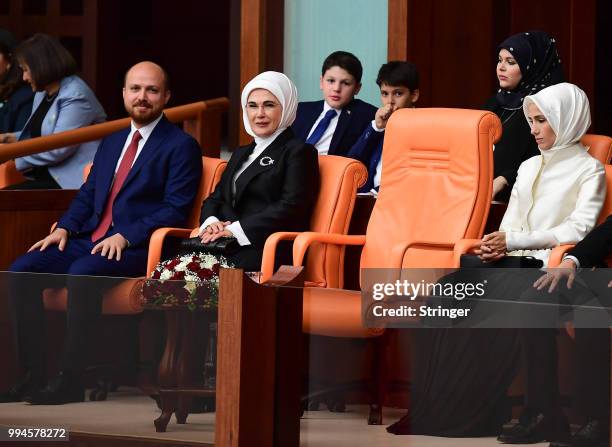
x=459 y=377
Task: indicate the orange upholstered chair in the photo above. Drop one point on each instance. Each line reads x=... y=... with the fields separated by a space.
x=599 y=146
x=9 y=175
x=120 y=300
x=340 y=177
x=435 y=190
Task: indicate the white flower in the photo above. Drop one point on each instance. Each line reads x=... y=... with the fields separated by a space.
x=181 y=266
x=191 y=286
x=191 y=278
x=165 y=275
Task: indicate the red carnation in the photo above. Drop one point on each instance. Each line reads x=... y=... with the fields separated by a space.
x=216 y=268
x=173 y=263
x=178 y=275
x=193 y=266
x=206 y=274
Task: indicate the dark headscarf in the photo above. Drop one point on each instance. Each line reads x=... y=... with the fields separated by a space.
x=536 y=54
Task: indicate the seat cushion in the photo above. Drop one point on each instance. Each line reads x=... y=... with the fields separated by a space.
x=335 y=313
x=123 y=299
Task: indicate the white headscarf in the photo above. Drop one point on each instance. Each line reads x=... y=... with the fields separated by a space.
x=285 y=92
x=566 y=108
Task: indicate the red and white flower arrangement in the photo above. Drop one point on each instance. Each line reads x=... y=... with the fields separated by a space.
x=191 y=280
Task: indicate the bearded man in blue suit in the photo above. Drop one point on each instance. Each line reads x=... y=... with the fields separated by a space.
x=143 y=178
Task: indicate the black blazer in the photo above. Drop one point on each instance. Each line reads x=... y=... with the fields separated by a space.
x=275 y=193
x=353 y=120
x=596 y=246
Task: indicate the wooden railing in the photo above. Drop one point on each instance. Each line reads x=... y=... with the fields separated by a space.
x=200 y=119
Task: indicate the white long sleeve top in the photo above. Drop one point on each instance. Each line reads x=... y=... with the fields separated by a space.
x=556 y=200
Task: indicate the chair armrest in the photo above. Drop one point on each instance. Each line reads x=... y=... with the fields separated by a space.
x=303 y=241
x=557 y=253
x=269 y=252
x=156 y=244
x=463 y=247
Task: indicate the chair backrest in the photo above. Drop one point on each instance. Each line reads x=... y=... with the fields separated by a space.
x=212 y=168
x=9 y=175
x=86 y=171
x=341 y=177
x=436 y=186
x=599 y=146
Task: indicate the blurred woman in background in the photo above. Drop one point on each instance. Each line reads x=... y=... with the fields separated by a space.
x=63 y=101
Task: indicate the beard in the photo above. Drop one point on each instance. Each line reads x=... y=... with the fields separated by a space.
x=146 y=116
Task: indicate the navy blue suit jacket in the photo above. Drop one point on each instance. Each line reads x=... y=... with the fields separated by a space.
x=158 y=191
x=368 y=150
x=352 y=121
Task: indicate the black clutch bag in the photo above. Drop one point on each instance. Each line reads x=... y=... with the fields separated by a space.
x=224 y=246
x=523 y=262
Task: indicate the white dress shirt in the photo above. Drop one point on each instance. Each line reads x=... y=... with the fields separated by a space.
x=556 y=200
x=145 y=133
x=325 y=140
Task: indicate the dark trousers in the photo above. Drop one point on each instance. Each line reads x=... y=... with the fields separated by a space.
x=592 y=396
x=86 y=276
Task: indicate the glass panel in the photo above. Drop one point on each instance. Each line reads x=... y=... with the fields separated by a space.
x=316 y=28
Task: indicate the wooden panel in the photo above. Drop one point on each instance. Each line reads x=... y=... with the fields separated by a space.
x=26 y=217
x=397 y=36
x=449 y=44
x=258 y=366
x=261 y=46
x=252 y=56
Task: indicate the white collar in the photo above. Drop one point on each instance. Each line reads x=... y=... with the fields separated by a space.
x=327 y=107
x=262 y=143
x=145 y=131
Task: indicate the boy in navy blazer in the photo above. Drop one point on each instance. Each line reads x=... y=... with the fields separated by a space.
x=143 y=178
x=399 y=88
x=335 y=123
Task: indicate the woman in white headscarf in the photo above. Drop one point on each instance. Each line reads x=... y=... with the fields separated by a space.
x=268 y=186
x=460 y=376
x=558 y=195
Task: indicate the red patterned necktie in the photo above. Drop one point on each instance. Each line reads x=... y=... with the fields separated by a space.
x=124 y=169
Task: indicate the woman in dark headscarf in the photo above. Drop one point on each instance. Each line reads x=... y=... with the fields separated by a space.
x=527 y=63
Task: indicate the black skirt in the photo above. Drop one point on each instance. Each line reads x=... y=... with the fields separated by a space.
x=460 y=376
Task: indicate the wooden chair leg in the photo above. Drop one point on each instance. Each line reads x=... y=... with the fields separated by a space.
x=183 y=407
x=168 y=402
